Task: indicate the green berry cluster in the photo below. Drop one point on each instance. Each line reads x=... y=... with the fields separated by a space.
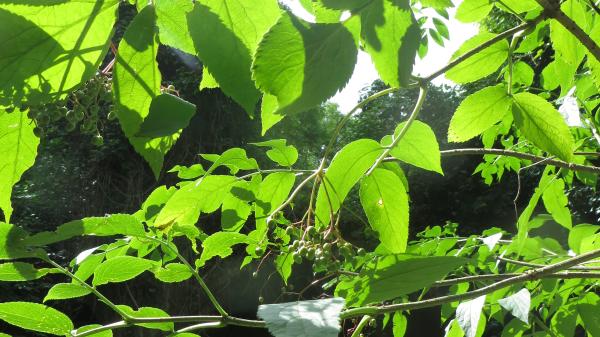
x=84 y=107
x=325 y=256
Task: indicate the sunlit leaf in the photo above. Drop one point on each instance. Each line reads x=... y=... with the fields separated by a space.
x=468 y=314
x=282 y=154
x=219 y=244
x=62 y=291
x=518 y=304
x=173 y=272
x=20 y=271
x=120 y=269
x=418 y=147
x=36 y=317
x=484 y=63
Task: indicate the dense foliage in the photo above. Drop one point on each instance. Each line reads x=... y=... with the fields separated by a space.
x=531 y=77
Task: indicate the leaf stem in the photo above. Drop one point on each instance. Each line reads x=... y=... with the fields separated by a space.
x=94 y=291
x=361 y=325
x=411 y=119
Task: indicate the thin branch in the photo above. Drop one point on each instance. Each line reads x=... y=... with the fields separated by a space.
x=484 y=45
x=520 y=155
x=411 y=119
x=361 y=325
x=530 y=275
x=497 y=277
x=537 y=265
x=552 y=9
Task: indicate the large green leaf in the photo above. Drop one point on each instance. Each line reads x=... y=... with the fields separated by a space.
x=36 y=317
x=136 y=82
x=543 y=125
x=282 y=154
x=303 y=318
x=473 y=10
x=45 y=52
x=304 y=64
x=385 y=202
x=394 y=276
x=20 y=271
x=556 y=203
x=62 y=291
x=226 y=34
x=391 y=36
x=168 y=115
x=171 y=20
x=478 y=112
x=234 y=158
x=484 y=63
x=589 y=311
x=173 y=272
x=345 y=170
x=219 y=244
x=203 y=195
x=268 y=112
x=18 y=146
x=566 y=45
x=120 y=269
x=116 y=224
x=418 y=147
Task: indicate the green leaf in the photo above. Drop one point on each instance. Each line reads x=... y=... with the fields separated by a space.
x=394 y=276
x=273 y=192
x=578 y=233
x=36 y=317
x=303 y=318
x=11 y=246
x=234 y=158
x=522 y=74
x=304 y=64
x=518 y=304
x=173 y=272
x=226 y=34
x=120 y=269
x=282 y=154
x=149 y=312
x=188 y=172
x=588 y=308
x=418 y=147
x=400 y=324
x=208 y=81
x=468 y=314
x=391 y=36
x=203 y=195
x=478 y=112
x=437 y=4
x=171 y=20
x=345 y=170
x=484 y=63
x=566 y=45
x=385 y=202
x=543 y=125
x=344 y=4
x=168 y=115
x=473 y=10
x=219 y=244
x=283 y=265
x=116 y=224
x=18 y=146
x=269 y=115
x=62 y=291
x=236 y=208
x=518 y=6
x=47 y=53
x=20 y=271
x=136 y=82
x=556 y=203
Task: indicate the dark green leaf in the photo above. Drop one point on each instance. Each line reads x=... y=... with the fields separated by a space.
x=168 y=115
x=391 y=36
x=304 y=64
x=394 y=276
x=226 y=34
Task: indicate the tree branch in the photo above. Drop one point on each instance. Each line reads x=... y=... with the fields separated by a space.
x=552 y=9
x=520 y=155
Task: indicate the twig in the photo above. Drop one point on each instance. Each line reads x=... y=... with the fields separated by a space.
x=411 y=119
x=361 y=325
x=552 y=9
